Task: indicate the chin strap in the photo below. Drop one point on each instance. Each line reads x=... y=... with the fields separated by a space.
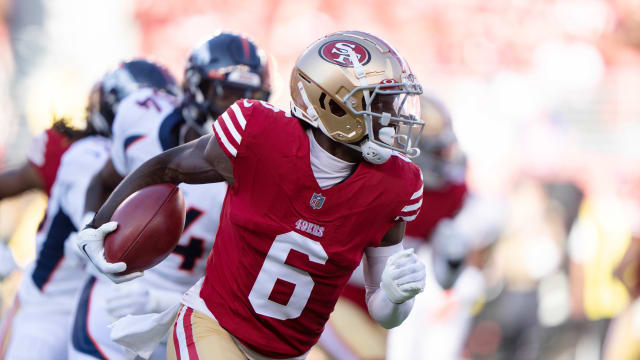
x=375 y=153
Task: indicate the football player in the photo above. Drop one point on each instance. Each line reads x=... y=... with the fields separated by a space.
x=350 y=332
x=37 y=173
x=441 y=319
x=310 y=193
x=41 y=327
x=220 y=71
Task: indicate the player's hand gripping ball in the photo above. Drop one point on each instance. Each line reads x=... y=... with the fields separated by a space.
x=142 y=232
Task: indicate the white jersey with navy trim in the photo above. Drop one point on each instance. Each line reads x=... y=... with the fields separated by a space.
x=42 y=325
x=145 y=126
x=51 y=275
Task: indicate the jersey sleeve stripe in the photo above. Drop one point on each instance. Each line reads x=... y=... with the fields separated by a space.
x=407 y=218
x=412 y=207
x=223 y=138
x=417 y=194
x=239 y=116
x=231 y=127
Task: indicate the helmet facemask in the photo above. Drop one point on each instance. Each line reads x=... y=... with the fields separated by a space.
x=391 y=113
x=397 y=104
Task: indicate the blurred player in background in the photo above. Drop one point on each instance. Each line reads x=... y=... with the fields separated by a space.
x=44 y=303
x=37 y=173
x=351 y=333
x=440 y=322
x=220 y=71
x=623 y=336
x=309 y=195
x=443 y=168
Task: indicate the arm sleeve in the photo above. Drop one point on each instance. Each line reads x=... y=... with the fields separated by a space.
x=384 y=312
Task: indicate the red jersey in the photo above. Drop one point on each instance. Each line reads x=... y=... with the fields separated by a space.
x=437 y=205
x=285 y=247
x=45 y=154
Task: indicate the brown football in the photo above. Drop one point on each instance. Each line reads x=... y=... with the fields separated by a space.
x=150 y=222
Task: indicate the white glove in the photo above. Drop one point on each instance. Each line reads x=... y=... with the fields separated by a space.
x=134 y=299
x=403 y=276
x=72 y=255
x=91 y=243
x=7 y=262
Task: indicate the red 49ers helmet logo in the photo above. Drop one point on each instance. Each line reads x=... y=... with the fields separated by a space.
x=337 y=52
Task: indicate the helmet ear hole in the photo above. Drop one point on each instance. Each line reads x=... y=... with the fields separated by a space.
x=336 y=109
x=321 y=100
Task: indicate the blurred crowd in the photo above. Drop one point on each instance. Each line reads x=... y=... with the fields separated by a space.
x=543 y=121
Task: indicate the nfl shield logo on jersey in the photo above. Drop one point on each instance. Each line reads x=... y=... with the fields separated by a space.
x=316 y=201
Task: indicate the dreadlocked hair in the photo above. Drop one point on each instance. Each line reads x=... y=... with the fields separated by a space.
x=61 y=125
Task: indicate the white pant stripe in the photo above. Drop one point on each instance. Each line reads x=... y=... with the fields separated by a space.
x=182 y=337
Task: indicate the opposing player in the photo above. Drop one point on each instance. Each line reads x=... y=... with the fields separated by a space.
x=350 y=332
x=310 y=193
x=37 y=173
x=222 y=70
x=41 y=327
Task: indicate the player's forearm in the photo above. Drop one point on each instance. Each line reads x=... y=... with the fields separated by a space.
x=183 y=164
x=96 y=194
x=15 y=182
x=154 y=171
x=387 y=313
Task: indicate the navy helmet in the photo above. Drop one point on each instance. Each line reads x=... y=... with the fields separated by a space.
x=220 y=71
x=117 y=84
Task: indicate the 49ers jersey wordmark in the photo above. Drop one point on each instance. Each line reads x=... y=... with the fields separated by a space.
x=285 y=247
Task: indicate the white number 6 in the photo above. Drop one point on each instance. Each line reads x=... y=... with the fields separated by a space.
x=274 y=268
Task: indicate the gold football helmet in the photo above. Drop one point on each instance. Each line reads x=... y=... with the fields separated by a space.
x=344 y=81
